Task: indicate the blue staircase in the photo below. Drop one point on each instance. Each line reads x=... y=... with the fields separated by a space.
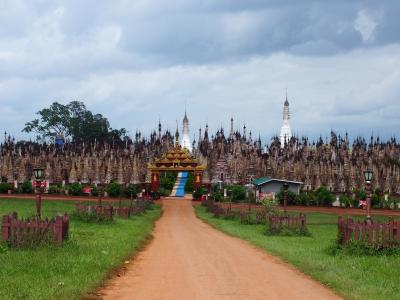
x=179 y=188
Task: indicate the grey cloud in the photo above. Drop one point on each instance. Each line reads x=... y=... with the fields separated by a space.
x=135 y=60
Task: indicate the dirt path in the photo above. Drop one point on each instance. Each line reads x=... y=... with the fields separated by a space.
x=188 y=259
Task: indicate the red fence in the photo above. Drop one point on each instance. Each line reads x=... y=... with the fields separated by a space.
x=276 y=223
x=30 y=232
x=106 y=211
x=369 y=233
x=138 y=207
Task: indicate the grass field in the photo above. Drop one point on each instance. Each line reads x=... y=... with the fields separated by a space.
x=354 y=277
x=68 y=272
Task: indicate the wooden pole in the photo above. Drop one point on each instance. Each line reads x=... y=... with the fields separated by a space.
x=368 y=191
x=38 y=200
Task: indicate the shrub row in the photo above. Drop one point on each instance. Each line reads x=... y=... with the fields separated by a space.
x=75 y=189
x=113 y=190
x=25 y=188
x=320 y=197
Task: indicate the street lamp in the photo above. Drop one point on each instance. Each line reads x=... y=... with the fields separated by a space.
x=285 y=196
x=220 y=190
x=368 y=178
x=38 y=173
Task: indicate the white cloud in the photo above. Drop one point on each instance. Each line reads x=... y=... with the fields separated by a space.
x=365 y=25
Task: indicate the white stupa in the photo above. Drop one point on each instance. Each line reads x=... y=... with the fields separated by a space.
x=286 y=133
x=185 y=134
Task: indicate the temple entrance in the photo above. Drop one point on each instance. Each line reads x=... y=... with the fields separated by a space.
x=180 y=161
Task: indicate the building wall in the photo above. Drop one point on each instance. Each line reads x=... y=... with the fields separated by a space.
x=275 y=187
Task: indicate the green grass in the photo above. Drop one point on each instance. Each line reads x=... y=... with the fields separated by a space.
x=354 y=277
x=81 y=265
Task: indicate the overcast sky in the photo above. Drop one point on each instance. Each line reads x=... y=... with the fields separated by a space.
x=138 y=61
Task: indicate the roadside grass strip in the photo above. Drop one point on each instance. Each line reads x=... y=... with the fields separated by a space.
x=76 y=269
x=352 y=276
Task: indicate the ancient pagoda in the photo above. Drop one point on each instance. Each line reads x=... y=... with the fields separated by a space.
x=286 y=132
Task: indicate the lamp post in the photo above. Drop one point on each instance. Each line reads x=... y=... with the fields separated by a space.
x=38 y=174
x=100 y=195
x=368 y=178
x=220 y=190
x=230 y=199
x=285 y=196
x=250 y=195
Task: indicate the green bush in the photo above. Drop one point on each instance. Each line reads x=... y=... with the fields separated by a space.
x=376 y=201
x=75 y=189
x=113 y=189
x=302 y=199
x=354 y=248
x=27 y=187
x=292 y=197
x=361 y=194
x=54 y=189
x=131 y=190
x=200 y=191
x=312 y=198
x=4 y=187
x=393 y=203
x=324 y=196
x=95 y=190
x=385 y=204
x=344 y=201
x=164 y=192
x=217 y=196
x=238 y=193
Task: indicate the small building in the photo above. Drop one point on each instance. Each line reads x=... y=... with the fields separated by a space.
x=270 y=186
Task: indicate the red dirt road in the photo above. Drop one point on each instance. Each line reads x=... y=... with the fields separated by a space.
x=188 y=259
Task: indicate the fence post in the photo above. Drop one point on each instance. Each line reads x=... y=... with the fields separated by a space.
x=5 y=228
x=377 y=232
x=59 y=229
x=398 y=232
x=370 y=233
x=391 y=229
x=65 y=226
x=384 y=234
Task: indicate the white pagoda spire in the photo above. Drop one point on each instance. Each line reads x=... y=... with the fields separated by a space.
x=286 y=133
x=231 y=133
x=185 y=134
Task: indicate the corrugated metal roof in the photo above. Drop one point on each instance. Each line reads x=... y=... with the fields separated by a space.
x=264 y=180
x=261 y=180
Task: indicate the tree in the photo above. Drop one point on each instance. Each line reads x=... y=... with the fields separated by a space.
x=74 y=120
x=167 y=180
x=52 y=120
